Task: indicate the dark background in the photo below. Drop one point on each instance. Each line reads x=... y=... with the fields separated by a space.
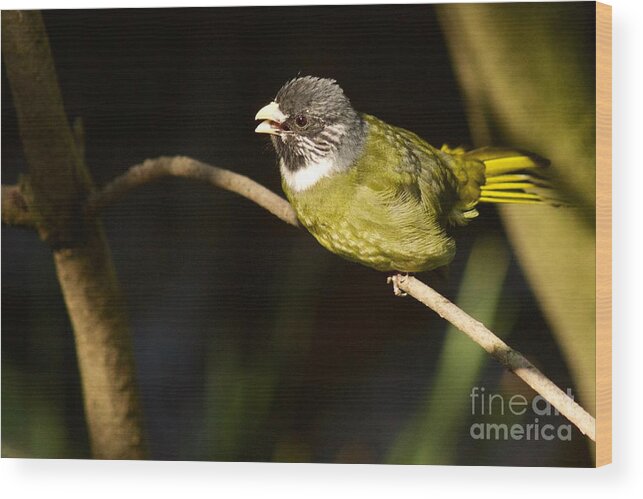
x=252 y=342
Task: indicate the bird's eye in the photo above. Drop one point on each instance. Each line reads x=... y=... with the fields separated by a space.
x=301 y=121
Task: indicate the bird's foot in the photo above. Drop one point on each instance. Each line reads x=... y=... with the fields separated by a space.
x=394 y=280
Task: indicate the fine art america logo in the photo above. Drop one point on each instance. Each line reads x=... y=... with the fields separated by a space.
x=535 y=410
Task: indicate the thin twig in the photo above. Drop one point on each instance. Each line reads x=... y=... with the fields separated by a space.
x=181 y=166
x=498 y=349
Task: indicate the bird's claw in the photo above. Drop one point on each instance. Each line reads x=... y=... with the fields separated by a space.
x=396 y=289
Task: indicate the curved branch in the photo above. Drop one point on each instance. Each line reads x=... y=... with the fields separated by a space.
x=499 y=350
x=180 y=166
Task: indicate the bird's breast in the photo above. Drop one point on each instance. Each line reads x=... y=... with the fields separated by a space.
x=357 y=224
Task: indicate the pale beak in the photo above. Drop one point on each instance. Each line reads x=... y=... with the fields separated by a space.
x=272 y=116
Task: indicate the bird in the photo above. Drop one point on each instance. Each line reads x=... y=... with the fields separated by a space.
x=380 y=195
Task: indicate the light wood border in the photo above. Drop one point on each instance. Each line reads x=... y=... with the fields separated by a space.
x=603 y=234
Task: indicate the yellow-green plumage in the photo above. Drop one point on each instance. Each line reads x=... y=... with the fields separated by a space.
x=392 y=208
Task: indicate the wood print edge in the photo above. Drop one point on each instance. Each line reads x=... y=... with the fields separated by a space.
x=603 y=234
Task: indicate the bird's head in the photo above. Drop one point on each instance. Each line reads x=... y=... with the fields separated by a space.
x=312 y=123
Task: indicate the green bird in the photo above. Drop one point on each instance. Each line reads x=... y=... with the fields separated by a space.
x=377 y=194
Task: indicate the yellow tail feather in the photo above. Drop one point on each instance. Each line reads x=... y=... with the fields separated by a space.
x=518 y=177
x=511 y=201
x=499 y=166
x=500 y=186
x=509 y=194
x=511 y=176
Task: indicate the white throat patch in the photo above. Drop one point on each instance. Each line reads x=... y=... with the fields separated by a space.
x=308 y=175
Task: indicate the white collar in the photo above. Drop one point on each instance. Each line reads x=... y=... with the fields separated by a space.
x=308 y=175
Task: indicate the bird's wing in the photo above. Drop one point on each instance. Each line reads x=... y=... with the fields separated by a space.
x=402 y=166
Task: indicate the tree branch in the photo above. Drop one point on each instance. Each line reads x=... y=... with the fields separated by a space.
x=180 y=166
x=499 y=350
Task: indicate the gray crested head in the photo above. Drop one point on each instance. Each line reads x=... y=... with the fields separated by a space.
x=311 y=122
